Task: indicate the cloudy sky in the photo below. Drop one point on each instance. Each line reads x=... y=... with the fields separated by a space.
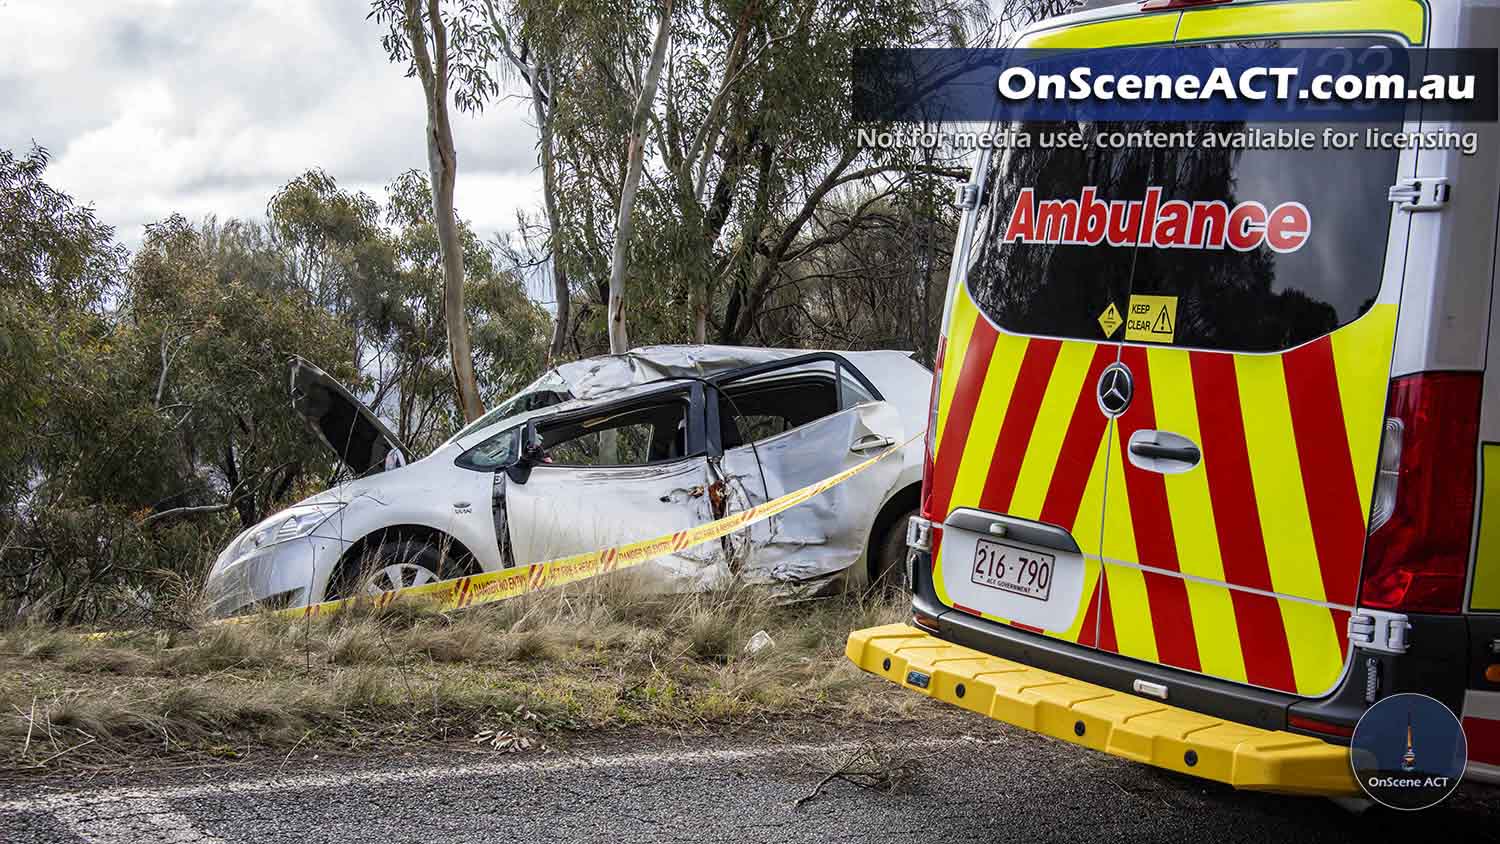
x=207 y=106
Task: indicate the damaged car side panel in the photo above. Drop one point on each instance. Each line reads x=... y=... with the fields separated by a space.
x=559 y=511
x=618 y=472
x=810 y=546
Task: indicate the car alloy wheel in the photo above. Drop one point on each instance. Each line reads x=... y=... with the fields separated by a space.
x=398 y=576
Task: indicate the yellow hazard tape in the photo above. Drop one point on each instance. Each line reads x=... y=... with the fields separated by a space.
x=509 y=583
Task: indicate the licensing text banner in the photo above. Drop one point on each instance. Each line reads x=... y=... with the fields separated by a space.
x=1218 y=83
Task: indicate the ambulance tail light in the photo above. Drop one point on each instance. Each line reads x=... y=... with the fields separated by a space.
x=930 y=450
x=1422 y=510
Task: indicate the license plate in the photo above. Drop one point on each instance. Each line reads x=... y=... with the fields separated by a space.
x=1010 y=569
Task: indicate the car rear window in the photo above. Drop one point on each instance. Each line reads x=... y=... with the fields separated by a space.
x=1265 y=249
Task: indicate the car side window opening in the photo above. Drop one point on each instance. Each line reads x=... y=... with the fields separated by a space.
x=635 y=436
x=755 y=409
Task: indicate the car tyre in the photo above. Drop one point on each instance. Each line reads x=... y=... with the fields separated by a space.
x=399 y=563
x=889 y=569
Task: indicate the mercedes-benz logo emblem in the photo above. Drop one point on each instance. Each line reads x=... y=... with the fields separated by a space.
x=1116 y=388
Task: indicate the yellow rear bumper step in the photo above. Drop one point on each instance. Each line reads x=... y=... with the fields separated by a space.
x=1117 y=723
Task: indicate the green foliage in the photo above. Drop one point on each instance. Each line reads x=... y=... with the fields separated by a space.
x=751 y=173
x=51 y=249
x=144 y=414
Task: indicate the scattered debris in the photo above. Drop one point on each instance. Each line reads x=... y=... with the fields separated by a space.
x=759 y=642
x=505 y=740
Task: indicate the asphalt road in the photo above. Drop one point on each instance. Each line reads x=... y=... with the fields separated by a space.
x=990 y=784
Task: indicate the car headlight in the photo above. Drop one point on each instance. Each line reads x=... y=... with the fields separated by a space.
x=291 y=523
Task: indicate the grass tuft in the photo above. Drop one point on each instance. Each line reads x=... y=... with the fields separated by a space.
x=230 y=646
x=573 y=659
x=532 y=645
x=104 y=659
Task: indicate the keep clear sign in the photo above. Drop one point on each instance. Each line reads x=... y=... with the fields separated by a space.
x=1152 y=319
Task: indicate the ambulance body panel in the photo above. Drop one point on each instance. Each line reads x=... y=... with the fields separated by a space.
x=1214 y=461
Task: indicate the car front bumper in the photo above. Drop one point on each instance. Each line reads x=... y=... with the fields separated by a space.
x=1117 y=723
x=287 y=574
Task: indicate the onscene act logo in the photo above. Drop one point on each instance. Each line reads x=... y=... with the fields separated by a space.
x=1408 y=751
x=1174 y=224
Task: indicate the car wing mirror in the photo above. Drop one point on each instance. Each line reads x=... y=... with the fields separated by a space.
x=530 y=454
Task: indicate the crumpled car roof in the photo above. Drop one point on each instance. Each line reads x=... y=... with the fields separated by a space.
x=592 y=377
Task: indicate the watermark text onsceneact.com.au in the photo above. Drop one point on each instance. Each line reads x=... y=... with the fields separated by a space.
x=1081 y=84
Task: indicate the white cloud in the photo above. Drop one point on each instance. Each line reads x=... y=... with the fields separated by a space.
x=151 y=107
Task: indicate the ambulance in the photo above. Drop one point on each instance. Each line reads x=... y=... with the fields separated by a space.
x=1213 y=461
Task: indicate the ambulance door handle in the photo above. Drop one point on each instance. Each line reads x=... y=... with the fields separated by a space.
x=1163 y=451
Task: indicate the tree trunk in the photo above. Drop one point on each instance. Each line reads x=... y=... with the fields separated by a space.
x=442 y=163
x=554 y=225
x=619 y=341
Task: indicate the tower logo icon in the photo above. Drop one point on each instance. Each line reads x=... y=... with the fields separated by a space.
x=1409 y=759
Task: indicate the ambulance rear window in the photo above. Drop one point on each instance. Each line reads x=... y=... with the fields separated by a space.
x=1256 y=249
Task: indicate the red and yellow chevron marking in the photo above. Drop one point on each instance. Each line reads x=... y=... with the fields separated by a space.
x=1026 y=437
x=1245 y=568
x=509 y=583
x=1290 y=442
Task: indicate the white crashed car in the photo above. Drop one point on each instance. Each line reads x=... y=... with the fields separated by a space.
x=616 y=449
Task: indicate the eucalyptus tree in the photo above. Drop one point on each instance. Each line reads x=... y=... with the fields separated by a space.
x=440 y=45
x=747 y=150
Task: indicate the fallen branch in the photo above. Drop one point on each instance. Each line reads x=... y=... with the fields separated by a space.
x=866 y=767
x=65 y=752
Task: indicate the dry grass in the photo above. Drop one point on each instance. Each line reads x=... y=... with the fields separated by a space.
x=543 y=666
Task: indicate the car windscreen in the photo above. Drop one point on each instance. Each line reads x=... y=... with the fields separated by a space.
x=1262 y=248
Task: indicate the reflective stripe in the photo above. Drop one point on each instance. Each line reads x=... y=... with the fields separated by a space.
x=1142 y=29
x=1077 y=461
x=1020 y=420
x=1145 y=495
x=1279 y=492
x=1193 y=522
x=1068 y=382
x=973 y=370
x=1281 y=500
x=1132 y=613
x=1338 y=523
x=1486 y=591
x=1106 y=635
x=1090 y=504
x=1361 y=358
x=960 y=330
x=991 y=410
x=1090 y=507
x=1226 y=463
x=1127 y=586
x=1085 y=620
x=1406 y=18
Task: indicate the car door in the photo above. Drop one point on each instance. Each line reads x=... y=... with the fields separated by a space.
x=1241 y=471
x=617 y=472
x=783 y=426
